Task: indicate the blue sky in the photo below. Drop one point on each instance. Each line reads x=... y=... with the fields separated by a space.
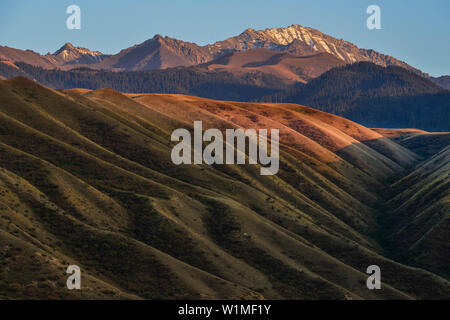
x=415 y=31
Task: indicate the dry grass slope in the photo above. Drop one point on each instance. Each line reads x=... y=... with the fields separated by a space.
x=86 y=178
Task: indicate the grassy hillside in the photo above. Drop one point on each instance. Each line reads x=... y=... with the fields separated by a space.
x=419 y=221
x=86 y=178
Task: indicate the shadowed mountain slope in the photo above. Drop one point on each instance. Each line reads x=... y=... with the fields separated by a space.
x=86 y=178
x=420 y=219
x=423 y=143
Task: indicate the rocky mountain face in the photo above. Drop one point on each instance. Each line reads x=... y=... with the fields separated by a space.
x=77 y=55
x=164 y=52
x=305 y=41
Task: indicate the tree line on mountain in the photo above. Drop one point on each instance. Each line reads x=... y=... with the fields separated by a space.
x=7 y=71
x=182 y=80
x=338 y=88
x=372 y=95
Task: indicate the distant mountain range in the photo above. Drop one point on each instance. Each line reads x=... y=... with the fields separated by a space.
x=164 y=52
x=67 y=55
x=295 y=64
